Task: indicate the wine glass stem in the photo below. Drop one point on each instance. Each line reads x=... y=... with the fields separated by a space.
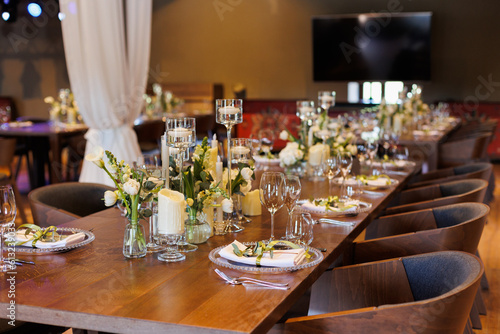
x=272 y=227
x=229 y=128
x=342 y=188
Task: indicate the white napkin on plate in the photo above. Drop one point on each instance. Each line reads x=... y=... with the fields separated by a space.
x=281 y=258
x=311 y=207
x=65 y=242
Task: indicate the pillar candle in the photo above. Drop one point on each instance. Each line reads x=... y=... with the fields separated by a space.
x=229 y=110
x=171 y=212
x=213 y=155
x=165 y=161
x=250 y=204
x=316 y=154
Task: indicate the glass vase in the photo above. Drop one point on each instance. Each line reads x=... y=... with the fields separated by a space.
x=197 y=232
x=134 y=241
x=298 y=169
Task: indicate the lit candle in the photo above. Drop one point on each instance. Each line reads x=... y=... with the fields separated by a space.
x=171 y=212
x=218 y=180
x=165 y=161
x=240 y=150
x=180 y=133
x=215 y=142
x=229 y=110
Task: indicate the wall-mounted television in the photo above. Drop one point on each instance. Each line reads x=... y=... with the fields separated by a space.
x=372 y=46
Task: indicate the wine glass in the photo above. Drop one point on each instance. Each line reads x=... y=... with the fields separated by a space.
x=292 y=194
x=371 y=148
x=326 y=99
x=345 y=164
x=229 y=112
x=333 y=168
x=7 y=217
x=241 y=152
x=272 y=189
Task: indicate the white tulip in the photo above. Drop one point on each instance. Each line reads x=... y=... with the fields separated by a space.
x=131 y=187
x=227 y=205
x=284 y=135
x=247 y=173
x=96 y=156
x=110 y=198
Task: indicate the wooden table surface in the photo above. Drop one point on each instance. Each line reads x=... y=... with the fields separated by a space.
x=95 y=287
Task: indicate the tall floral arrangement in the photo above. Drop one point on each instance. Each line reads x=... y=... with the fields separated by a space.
x=64 y=108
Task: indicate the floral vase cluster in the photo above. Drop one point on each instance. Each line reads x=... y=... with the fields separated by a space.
x=161 y=102
x=133 y=188
x=64 y=109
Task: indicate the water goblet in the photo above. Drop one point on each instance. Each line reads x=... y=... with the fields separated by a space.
x=292 y=194
x=345 y=164
x=333 y=168
x=371 y=148
x=272 y=189
x=7 y=217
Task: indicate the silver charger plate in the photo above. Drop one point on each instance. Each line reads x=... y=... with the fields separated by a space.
x=316 y=257
x=362 y=207
x=89 y=237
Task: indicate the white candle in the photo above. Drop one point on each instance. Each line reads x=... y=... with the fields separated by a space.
x=171 y=212
x=306 y=111
x=241 y=150
x=327 y=98
x=165 y=161
x=310 y=137
x=180 y=132
x=218 y=180
x=215 y=142
x=229 y=110
x=316 y=154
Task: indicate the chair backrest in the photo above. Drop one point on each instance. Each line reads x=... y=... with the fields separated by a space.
x=469 y=190
x=442 y=284
x=149 y=134
x=476 y=170
x=59 y=203
x=451 y=227
x=466 y=150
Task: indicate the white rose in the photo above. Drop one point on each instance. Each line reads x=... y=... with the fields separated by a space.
x=227 y=205
x=284 y=135
x=352 y=148
x=110 y=198
x=246 y=189
x=96 y=156
x=48 y=99
x=131 y=187
x=247 y=173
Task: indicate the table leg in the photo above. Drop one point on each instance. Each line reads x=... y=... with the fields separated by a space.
x=55 y=164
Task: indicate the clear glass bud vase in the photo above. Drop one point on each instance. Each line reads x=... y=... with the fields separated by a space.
x=134 y=241
x=197 y=232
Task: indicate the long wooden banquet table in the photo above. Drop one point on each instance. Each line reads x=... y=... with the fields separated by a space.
x=94 y=287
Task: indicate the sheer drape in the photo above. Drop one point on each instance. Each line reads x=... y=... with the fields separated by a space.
x=107 y=54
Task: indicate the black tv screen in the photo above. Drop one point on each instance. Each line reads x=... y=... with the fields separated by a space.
x=382 y=47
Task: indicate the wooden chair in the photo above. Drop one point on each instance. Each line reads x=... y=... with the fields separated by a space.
x=7 y=151
x=60 y=203
x=476 y=170
x=149 y=135
x=464 y=150
x=474 y=127
x=428 y=293
x=471 y=190
x=452 y=227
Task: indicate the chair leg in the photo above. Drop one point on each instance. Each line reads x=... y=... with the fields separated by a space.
x=484 y=280
x=479 y=301
x=474 y=317
x=468 y=328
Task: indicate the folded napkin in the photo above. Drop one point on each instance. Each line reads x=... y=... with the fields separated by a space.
x=350 y=206
x=380 y=182
x=65 y=242
x=426 y=133
x=281 y=258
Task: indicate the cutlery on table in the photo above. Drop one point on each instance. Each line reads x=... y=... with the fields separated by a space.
x=249 y=280
x=335 y=222
x=24 y=261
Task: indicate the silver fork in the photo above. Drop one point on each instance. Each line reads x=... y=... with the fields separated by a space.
x=335 y=222
x=245 y=280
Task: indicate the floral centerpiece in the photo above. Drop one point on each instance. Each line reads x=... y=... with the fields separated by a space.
x=294 y=155
x=133 y=188
x=161 y=102
x=64 y=109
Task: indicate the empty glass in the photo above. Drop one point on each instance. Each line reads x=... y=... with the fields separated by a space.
x=266 y=139
x=293 y=189
x=7 y=217
x=272 y=190
x=345 y=164
x=299 y=229
x=332 y=167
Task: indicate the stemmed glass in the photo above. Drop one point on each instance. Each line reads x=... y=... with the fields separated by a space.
x=292 y=194
x=326 y=99
x=272 y=189
x=345 y=164
x=241 y=152
x=229 y=112
x=7 y=216
x=333 y=168
x=266 y=139
x=181 y=134
x=150 y=165
x=371 y=148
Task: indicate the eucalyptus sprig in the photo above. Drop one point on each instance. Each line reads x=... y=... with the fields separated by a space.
x=331 y=203
x=260 y=248
x=48 y=234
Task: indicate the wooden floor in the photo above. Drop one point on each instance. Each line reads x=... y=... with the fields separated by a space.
x=489 y=249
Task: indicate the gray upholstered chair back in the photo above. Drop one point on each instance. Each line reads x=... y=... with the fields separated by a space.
x=435 y=274
x=461 y=187
x=472 y=168
x=58 y=203
x=451 y=215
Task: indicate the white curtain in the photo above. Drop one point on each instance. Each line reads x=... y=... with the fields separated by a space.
x=107 y=54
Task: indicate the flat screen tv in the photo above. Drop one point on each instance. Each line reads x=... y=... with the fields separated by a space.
x=374 y=46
